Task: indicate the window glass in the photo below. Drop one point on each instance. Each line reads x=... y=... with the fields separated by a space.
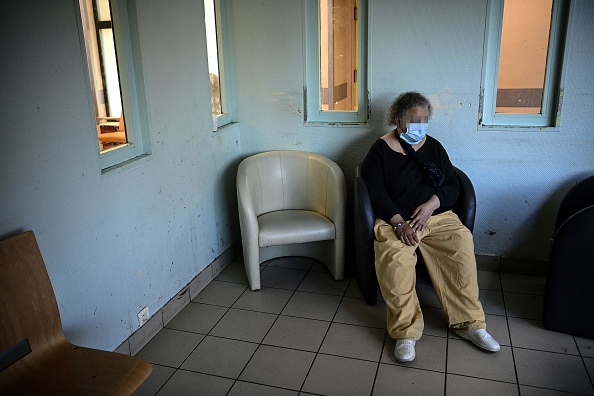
x=335 y=42
x=338 y=55
x=103 y=72
x=219 y=54
x=213 y=57
x=523 y=56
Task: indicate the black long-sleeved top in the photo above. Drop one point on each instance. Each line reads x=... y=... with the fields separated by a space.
x=397 y=185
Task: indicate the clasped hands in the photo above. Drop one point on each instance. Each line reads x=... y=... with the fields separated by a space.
x=407 y=232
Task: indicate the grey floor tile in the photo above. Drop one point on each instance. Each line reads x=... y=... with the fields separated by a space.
x=334 y=375
x=552 y=371
x=312 y=306
x=299 y=263
x=234 y=272
x=356 y=342
x=586 y=346
x=190 y=383
x=279 y=367
x=526 y=306
x=534 y=391
x=459 y=385
x=244 y=325
x=197 y=318
x=492 y=302
x=264 y=300
x=489 y=280
x=248 y=389
x=350 y=334
x=155 y=381
x=530 y=334
x=356 y=311
x=431 y=354
x=297 y=333
x=497 y=326
x=589 y=363
x=220 y=293
x=323 y=282
x=464 y=358
x=525 y=284
x=220 y=356
x=281 y=278
x=392 y=380
x=170 y=347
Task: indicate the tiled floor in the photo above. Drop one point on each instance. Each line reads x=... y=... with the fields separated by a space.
x=304 y=333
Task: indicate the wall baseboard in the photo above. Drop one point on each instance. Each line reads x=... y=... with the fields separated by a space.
x=133 y=344
x=513 y=265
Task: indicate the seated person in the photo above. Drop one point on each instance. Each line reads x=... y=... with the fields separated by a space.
x=413 y=210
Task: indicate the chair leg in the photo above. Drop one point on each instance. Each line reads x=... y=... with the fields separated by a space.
x=252 y=267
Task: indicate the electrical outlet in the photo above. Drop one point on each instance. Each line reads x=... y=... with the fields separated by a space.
x=144 y=316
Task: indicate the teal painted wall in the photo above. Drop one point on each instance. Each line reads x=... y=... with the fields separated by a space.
x=113 y=245
x=435 y=47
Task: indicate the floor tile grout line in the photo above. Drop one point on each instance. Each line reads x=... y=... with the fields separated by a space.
x=209 y=332
x=333 y=320
x=590 y=376
x=511 y=342
x=379 y=362
x=445 y=379
x=323 y=339
x=275 y=320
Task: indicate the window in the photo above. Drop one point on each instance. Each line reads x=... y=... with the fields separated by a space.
x=522 y=62
x=219 y=61
x=116 y=80
x=335 y=70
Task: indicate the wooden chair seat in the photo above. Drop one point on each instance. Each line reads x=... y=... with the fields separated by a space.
x=35 y=356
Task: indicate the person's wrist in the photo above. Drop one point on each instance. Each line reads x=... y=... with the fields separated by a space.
x=398 y=225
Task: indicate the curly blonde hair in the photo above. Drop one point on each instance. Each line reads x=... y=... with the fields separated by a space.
x=403 y=103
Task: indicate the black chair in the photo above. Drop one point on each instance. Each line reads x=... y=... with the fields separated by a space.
x=569 y=296
x=465 y=208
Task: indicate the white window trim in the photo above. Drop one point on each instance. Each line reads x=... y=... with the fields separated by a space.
x=553 y=88
x=224 y=28
x=311 y=92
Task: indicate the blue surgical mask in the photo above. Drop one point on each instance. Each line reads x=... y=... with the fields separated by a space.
x=415 y=132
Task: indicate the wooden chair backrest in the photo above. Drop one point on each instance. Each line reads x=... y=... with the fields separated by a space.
x=28 y=308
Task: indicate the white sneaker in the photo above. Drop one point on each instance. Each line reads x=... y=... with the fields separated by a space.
x=405 y=351
x=481 y=339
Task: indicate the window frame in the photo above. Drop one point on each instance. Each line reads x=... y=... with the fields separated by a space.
x=312 y=78
x=224 y=31
x=549 y=118
x=125 y=31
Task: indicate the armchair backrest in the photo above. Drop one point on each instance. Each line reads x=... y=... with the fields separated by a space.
x=577 y=198
x=290 y=179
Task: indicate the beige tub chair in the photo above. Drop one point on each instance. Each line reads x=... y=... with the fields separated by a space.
x=291 y=203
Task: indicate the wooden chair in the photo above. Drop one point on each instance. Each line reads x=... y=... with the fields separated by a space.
x=35 y=357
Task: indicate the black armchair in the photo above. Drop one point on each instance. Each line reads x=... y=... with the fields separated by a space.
x=568 y=306
x=465 y=208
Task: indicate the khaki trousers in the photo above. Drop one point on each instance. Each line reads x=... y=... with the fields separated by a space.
x=448 y=250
